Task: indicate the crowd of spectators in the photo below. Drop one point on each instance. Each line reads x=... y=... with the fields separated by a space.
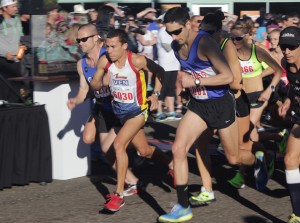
x=60 y=46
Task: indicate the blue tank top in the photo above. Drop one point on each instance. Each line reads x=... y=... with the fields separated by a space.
x=198 y=68
x=103 y=96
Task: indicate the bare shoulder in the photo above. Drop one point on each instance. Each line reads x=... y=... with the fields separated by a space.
x=138 y=61
x=230 y=48
x=79 y=66
x=102 y=62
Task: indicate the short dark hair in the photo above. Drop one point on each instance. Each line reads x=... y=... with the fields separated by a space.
x=118 y=33
x=177 y=14
x=213 y=21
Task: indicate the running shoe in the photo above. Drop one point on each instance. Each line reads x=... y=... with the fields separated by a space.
x=177 y=214
x=237 y=181
x=282 y=145
x=204 y=198
x=174 y=116
x=160 y=117
x=132 y=189
x=260 y=171
x=114 y=202
x=294 y=219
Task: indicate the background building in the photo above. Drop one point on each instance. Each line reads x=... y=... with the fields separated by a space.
x=232 y=6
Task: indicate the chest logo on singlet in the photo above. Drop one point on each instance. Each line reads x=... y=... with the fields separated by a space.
x=121 y=79
x=86 y=69
x=120 y=76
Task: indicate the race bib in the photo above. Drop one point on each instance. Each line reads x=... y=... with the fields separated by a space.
x=247 y=67
x=123 y=94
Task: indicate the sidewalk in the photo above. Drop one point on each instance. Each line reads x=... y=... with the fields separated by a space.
x=81 y=199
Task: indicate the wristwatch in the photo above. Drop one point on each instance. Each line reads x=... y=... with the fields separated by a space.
x=156 y=93
x=272 y=88
x=197 y=82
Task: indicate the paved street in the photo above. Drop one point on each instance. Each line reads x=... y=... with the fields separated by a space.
x=81 y=199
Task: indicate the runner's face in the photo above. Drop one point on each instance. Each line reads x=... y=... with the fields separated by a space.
x=292 y=56
x=178 y=32
x=115 y=48
x=90 y=43
x=238 y=38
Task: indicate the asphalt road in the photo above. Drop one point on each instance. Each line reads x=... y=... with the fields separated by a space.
x=81 y=200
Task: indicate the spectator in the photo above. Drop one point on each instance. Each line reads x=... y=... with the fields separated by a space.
x=52 y=15
x=168 y=61
x=149 y=14
x=93 y=13
x=64 y=16
x=10 y=35
x=262 y=20
x=106 y=18
x=80 y=15
x=25 y=20
x=291 y=19
x=132 y=29
x=54 y=48
x=146 y=43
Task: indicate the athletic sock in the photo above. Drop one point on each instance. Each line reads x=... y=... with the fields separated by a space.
x=293 y=182
x=182 y=195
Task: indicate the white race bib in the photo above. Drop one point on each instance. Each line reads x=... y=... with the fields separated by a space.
x=123 y=94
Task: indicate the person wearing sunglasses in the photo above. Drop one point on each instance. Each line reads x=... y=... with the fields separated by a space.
x=212 y=23
x=206 y=75
x=251 y=58
x=289 y=43
x=102 y=121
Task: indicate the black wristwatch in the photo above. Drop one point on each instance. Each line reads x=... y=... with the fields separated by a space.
x=197 y=82
x=272 y=88
x=156 y=93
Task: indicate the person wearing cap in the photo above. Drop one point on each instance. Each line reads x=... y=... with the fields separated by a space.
x=289 y=43
x=10 y=35
x=80 y=15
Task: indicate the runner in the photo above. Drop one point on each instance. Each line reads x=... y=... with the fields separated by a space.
x=207 y=75
x=102 y=122
x=289 y=43
x=126 y=79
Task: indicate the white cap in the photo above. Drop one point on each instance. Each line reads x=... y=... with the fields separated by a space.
x=79 y=9
x=8 y=2
x=161 y=17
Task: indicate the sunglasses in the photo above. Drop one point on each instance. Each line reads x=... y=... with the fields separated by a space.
x=84 y=39
x=283 y=47
x=237 y=38
x=175 y=32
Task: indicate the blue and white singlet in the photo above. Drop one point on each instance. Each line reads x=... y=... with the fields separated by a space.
x=200 y=69
x=103 y=95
